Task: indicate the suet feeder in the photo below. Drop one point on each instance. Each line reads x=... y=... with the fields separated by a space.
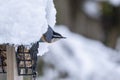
x=3 y=59
x=27 y=60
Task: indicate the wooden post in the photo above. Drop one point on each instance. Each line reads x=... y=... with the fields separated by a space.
x=11 y=64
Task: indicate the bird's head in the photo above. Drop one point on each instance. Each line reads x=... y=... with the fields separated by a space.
x=56 y=36
x=51 y=36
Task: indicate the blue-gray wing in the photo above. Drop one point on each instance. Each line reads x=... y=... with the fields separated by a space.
x=48 y=35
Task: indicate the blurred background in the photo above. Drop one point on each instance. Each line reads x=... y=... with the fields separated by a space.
x=95 y=19
x=91 y=50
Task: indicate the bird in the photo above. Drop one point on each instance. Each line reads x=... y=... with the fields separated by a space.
x=51 y=36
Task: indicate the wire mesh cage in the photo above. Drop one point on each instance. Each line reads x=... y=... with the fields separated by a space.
x=26 y=60
x=3 y=59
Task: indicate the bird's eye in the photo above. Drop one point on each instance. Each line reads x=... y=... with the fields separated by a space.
x=55 y=39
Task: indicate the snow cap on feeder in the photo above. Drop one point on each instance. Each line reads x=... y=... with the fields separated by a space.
x=25 y=21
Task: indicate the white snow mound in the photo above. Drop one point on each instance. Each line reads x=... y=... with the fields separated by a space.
x=24 y=21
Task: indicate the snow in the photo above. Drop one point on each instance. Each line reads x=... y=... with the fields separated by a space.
x=43 y=48
x=24 y=21
x=80 y=58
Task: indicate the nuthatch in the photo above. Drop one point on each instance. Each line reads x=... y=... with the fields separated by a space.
x=51 y=36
